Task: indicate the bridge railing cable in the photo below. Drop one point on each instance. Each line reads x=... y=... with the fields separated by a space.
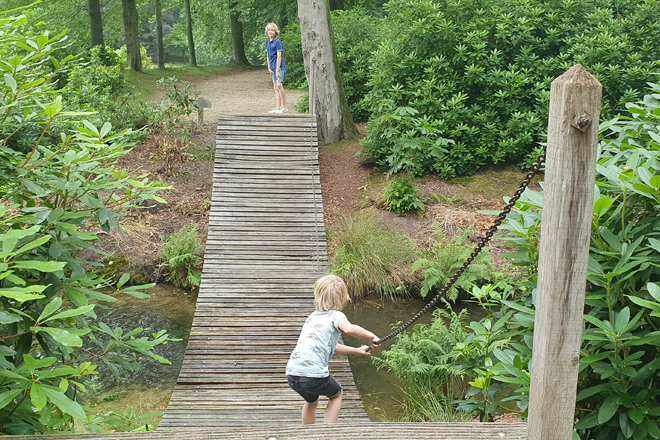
x=480 y=245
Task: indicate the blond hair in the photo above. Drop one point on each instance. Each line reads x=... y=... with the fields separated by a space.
x=273 y=26
x=330 y=293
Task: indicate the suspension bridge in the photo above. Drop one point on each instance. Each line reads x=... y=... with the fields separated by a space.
x=266 y=247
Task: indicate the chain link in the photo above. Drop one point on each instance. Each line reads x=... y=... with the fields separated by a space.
x=480 y=245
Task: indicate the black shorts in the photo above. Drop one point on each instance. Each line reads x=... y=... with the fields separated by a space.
x=310 y=388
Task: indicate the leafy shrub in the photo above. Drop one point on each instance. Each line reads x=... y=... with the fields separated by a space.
x=182 y=252
x=422 y=361
x=480 y=71
x=295 y=66
x=445 y=258
x=402 y=196
x=100 y=86
x=408 y=142
x=302 y=106
x=357 y=35
x=147 y=63
x=620 y=356
x=54 y=196
x=177 y=99
x=371 y=258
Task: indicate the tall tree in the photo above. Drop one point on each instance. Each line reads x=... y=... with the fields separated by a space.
x=95 y=22
x=334 y=120
x=237 y=44
x=159 y=35
x=131 y=21
x=191 y=42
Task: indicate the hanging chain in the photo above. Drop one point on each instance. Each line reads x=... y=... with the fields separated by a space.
x=480 y=245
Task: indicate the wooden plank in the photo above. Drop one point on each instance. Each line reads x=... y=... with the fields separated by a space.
x=265 y=249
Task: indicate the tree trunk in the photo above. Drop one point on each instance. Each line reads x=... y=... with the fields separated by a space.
x=131 y=21
x=95 y=22
x=191 y=42
x=333 y=116
x=159 y=35
x=237 y=45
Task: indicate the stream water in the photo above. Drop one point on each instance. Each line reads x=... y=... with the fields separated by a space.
x=170 y=308
x=150 y=388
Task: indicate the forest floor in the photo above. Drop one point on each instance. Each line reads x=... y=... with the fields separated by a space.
x=347 y=184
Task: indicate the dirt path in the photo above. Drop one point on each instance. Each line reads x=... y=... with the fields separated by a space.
x=249 y=91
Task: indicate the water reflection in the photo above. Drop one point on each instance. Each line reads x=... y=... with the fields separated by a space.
x=167 y=308
x=380 y=390
x=170 y=308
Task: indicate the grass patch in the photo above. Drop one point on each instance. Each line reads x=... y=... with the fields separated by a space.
x=145 y=82
x=339 y=146
x=493 y=183
x=464 y=180
x=372 y=259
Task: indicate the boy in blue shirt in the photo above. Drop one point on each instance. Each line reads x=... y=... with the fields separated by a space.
x=276 y=66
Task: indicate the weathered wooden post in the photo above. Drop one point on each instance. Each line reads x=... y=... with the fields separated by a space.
x=575 y=99
x=201 y=105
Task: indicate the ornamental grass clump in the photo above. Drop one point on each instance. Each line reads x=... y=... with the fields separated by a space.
x=371 y=258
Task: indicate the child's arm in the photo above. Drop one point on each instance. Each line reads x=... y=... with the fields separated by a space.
x=357 y=332
x=279 y=63
x=345 y=349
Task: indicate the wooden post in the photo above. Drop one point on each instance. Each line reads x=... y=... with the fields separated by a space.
x=575 y=99
x=201 y=105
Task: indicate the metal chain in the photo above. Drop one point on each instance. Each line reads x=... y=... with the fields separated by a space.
x=480 y=245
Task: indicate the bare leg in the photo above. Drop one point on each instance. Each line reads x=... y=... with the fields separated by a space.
x=309 y=413
x=282 y=95
x=332 y=410
x=277 y=95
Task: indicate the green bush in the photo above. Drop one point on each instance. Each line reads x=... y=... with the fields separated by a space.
x=182 y=252
x=295 y=67
x=478 y=72
x=357 y=35
x=445 y=258
x=422 y=361
x=402 y=196
x=372 y=259
x=617 y=395
x=57 y=190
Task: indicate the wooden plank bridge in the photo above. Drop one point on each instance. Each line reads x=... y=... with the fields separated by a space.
x=266 y=247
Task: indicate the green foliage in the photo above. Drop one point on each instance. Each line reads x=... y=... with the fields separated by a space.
x=400 y=140
x=480 y=71
x=445 y=258
x=295 y=67
x=125 y=421
x=620 y=356
x=302 y=106
x=422 y=360
x=182 y=252
x=177 y=99
x=357 y=35
x=497 y=354
x=58 y=187
x=402 y=196
x=147 y=63
x=372 y=259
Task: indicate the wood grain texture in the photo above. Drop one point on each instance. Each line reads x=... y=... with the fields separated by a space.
x=563 y=254
x=266 y=248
